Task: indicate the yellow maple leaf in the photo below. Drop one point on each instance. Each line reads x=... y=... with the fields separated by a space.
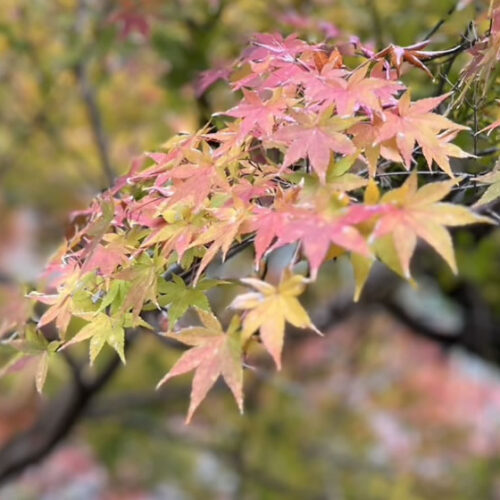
x=270 y=307
x=419 y=213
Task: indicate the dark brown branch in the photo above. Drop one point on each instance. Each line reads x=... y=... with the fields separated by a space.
x=91 y=105
x=95 y=120
x=440 y=23
x=58 y=418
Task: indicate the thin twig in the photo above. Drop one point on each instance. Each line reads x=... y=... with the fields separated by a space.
x=440 y=23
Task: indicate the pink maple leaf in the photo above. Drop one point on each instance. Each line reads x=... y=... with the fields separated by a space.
x=255 y=112
x=315 y=140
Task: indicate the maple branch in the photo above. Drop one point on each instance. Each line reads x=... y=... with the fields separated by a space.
x=95 y=120
x=117 y=405
x=187 y=274
x=488 y=152
x=419 y=327
x=443 y=20
x=57 y=419
x=477 y=332
x=74 y=366
x=91 y=105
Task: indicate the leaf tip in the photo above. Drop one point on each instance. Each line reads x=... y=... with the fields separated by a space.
x=161 y=382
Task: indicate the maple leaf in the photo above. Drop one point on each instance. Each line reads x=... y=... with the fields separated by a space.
x=485 y=53
x=15 y=309
x=143 y=277
x=315 y=138
x=189 y=182
x=194 y=180
x=314 y=231
x=413 y=213
x=327 y=61
x=357 y=92
x=222 y=233
x=106 y=258
x=213 y=353
x=208 y=77
x=492 y=193
x=179 y=226
x=33 y=348
x=338 y=177
x=492 y=126
x=101 y=329
x=270 y=307
x=280 y=75
x=414 y=123
x=180 y=297
x=365 y=137
x=61 y=304
x=267 y=224
x=257 y=113
x=267 y=45
x=229 y=139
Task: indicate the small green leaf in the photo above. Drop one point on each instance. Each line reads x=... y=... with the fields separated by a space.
x=179 y=297
x=102 y=330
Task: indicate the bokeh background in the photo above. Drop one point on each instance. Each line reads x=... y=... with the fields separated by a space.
x=400 y=399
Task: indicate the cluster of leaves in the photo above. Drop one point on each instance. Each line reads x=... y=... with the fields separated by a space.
x=296 y=162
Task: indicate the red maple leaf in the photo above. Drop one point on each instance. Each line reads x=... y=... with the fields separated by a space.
x=315 y=138
x=208 y=77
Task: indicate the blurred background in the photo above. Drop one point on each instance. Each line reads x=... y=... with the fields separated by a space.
x=400 y=400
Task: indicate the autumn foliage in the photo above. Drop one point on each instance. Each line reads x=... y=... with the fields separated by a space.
x=297 y=162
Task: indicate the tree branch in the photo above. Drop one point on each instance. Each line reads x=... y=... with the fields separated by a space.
x=91 y=105
x=57 y=419
x=95 y=120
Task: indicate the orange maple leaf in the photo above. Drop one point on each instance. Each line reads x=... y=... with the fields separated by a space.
x=414 y=123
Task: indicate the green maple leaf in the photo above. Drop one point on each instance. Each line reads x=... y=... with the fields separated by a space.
x=102 y=329
x=179 y=297
x=33 y=348
x=492 y=180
